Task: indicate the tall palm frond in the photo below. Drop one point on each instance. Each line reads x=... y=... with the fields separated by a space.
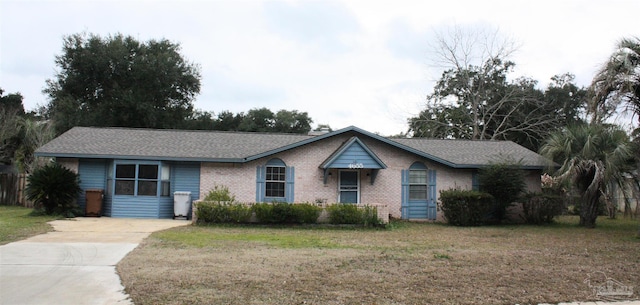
x=33 y=135
x=618 y=81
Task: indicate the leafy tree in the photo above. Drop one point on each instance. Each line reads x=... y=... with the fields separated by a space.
x=323 y=127
x=11 y=102
x=617 y=82
x=258 y=119
x=591 y=155
x=226 y=120
x=119 y=81
x=199 y=120
x=292 y=122
x=54 y=188
x=11 y=111
x=566 y=99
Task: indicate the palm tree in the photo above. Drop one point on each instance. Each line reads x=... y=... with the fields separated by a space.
x=618 y=81
x=591 y=156
x=33 y=134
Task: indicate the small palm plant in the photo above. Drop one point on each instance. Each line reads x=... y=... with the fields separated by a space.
x=54 y=188
x=592 y=157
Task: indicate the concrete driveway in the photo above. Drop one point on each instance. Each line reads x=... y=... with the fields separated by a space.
x=74 y=264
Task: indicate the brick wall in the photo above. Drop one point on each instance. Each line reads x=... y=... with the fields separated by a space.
x=309 y=186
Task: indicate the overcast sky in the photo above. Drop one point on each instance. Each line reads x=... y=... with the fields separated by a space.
x=362 y=63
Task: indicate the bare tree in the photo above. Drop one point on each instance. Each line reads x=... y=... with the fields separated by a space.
x=462 y=50
x=474 y=98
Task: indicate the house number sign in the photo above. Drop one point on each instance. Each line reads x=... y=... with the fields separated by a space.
x=356 y=165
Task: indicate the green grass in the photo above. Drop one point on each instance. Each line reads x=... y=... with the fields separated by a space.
x=17 y=224
x=201 y=237
x=296 y=237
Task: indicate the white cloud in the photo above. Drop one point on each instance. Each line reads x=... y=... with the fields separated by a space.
x=349 y=62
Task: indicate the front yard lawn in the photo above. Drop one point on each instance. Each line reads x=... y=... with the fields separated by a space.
x=412 y=263
x=16 y=224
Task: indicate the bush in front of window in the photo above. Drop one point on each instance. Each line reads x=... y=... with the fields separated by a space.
x=209 y=212
x=353 y=214
x=285 y=213
x=466 y=208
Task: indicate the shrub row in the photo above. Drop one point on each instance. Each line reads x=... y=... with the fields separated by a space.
x=473 y=208
x=222 y=212
x=284 y=213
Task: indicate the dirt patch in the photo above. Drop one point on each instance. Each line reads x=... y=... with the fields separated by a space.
x=413 y=264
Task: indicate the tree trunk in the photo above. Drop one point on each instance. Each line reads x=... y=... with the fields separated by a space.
x=589 y=210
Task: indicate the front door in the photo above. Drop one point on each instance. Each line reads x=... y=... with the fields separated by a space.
x=349 y=187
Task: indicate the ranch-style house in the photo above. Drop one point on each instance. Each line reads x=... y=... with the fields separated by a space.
x=141 y=169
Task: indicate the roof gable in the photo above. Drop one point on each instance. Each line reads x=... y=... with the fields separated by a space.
x=353 y=154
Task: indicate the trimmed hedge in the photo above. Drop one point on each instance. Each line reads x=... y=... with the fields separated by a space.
x=282 y=212
x=221 y=212
x=352 y=214
x=466 y=208
x=541 y=208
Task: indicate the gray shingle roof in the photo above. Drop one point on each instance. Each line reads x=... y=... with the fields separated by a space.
x=89 y=142
x=164 y=144
x=473 y=153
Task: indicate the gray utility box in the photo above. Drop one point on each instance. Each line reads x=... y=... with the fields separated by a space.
x=181 y=205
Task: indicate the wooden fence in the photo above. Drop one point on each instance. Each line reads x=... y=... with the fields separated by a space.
x=12 y=189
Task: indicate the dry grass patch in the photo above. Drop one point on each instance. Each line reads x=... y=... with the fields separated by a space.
x=414 y=263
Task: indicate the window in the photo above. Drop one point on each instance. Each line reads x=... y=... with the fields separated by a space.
x=418 y=184
x=475 y=183
x=275 y=181
x=147 y=180
x=165 y=187
x=125 y=179
x=418 y=181
x=140 y=179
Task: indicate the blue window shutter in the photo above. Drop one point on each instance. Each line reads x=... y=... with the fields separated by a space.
x=431 y=190
x=405 y=194
x=475 y=184
x=261 y=177
x=289 y=187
